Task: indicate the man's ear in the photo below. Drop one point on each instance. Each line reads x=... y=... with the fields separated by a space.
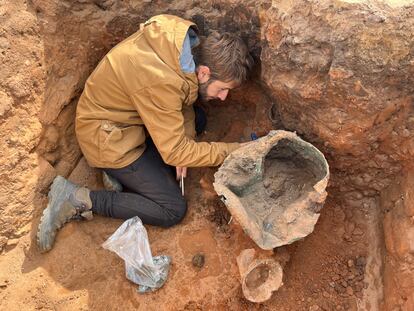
x=203 y=74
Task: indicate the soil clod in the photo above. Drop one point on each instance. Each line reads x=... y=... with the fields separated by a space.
x=198 y=260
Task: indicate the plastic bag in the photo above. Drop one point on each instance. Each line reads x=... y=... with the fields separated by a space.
x=130 y=242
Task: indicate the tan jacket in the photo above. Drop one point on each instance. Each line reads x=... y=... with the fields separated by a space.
x=139 y=89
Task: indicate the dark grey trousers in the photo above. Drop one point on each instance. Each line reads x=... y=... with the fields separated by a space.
x=152 y=191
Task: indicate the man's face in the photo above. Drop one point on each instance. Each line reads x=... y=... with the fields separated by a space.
x=214 y=89
x=210 y=89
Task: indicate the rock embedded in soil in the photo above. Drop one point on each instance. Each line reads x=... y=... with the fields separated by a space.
x=12 y=242
x=198 y=260
x=361 y=262
x=349 y=291
x=314 y=308
x=4 y=283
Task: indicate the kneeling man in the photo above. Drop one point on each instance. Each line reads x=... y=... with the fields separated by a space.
x=136 y=120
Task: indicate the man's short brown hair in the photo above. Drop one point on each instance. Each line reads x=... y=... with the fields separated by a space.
x=227 y=57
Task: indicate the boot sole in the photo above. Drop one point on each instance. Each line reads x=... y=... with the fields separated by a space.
x=59 y=192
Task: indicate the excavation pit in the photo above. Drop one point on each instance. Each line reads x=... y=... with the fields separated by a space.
x=323 y=78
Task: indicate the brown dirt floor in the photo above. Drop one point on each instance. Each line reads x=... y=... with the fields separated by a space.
x=324 y=271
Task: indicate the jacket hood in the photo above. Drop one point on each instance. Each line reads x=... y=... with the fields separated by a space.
x=165 y=34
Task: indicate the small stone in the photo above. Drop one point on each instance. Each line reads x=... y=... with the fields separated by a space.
x=354 y=271
x=4 y=43
x=350 y=277
x=339 y=288
x=5 y=103
x=347 y=237
x=350 y=263
x=376 y=19
x=12 y=242
x=326 y=305
x=343 y=272
x=349 y=291
x=314 y=308
x=198 y=260
x=348 y=213
x=349 y=227
x=361 y=262
x=358 y=287
x=358 y=232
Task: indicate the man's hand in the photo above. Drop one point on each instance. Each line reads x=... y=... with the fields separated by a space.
x=181 y=171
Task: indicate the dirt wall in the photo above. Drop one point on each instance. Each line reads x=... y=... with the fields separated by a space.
x=397 y=202
x=342 y=76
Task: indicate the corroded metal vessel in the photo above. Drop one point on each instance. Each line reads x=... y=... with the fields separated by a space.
x=274 y=188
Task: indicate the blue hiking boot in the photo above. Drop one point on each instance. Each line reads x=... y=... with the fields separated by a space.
x=67 y=201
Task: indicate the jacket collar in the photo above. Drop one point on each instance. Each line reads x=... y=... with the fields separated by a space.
x=165 y=34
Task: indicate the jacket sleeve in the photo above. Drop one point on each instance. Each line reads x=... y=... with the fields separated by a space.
x=189 y=121
x=160 y=108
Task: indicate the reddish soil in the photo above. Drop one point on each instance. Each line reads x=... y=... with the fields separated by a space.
x=324 y=271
